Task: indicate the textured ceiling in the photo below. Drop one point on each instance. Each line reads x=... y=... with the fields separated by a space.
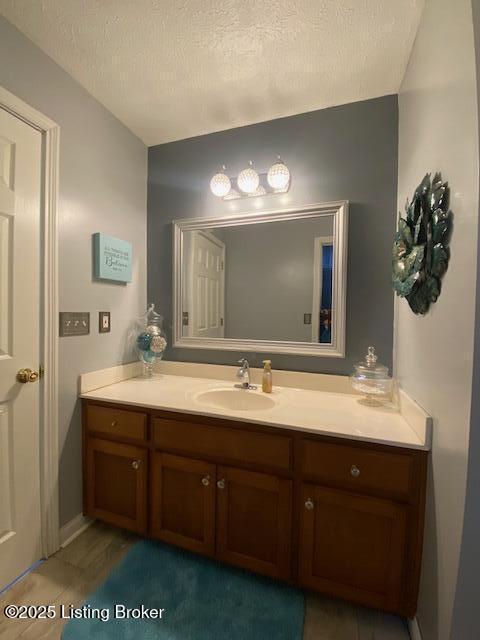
x=171 y=69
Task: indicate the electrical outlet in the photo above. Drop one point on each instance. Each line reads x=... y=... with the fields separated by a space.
x=104 y=321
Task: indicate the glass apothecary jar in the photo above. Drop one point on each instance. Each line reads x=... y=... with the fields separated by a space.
x=372 y=380
x=150 y=340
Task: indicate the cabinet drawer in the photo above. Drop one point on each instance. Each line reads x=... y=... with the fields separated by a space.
x=358 y=468
x=117 y=422
x=249 y=447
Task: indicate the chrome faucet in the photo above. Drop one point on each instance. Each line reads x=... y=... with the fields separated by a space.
x=244 y=374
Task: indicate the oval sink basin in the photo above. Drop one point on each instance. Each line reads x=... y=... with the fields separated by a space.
x=235 y=399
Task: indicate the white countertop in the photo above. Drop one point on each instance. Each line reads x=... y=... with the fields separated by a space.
x=324 y=413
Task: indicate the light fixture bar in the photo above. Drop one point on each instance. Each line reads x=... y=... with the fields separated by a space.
x=251 y=184
x=236 y=194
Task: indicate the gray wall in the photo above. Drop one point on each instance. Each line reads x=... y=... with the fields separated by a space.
x=466 y=621
x=269 y=278
x=103 y=176
x=438 y=131
x=347 y=152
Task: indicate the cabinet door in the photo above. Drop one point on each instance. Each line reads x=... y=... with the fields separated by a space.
x=183 y=502
x=116 y=484
x=254 y=521
x=352 y=546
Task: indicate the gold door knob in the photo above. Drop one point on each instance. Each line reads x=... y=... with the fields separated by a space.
x=221 y=483
x=309 y=504
x=27 y=375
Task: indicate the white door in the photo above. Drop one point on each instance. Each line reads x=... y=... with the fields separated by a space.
x=20 y=171
x=208 y=290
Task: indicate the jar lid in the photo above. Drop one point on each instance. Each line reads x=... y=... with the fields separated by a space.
x=151 y=317
x=370 y=368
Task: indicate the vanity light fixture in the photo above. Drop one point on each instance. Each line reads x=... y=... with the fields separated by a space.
x=248 y=179
x=278 y=175
x=250 y=184
x=220 y=184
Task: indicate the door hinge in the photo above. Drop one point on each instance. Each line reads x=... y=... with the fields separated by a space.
x=41 y=371
x=221 y=322
x=185 y=318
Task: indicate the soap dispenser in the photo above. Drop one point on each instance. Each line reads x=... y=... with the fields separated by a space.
x=267 y=376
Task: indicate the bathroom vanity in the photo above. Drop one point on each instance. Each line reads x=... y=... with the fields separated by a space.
x=290 y=492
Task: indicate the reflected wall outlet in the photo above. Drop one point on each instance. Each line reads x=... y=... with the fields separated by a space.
x=74 y=323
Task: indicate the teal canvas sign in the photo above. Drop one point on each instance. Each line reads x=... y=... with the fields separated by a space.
x=112 y=258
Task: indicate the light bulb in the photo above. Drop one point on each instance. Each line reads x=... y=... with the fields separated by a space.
x=248 y=179
x=278 y=175
x=220 y=184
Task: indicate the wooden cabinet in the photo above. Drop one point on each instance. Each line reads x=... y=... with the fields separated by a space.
x=341 y=517
x=358 y=468
x=183 y=502
x=254 y=515
x=119 y=423
x=352 y=546
x=238 y=446
x=245 y=516
x=116 y=484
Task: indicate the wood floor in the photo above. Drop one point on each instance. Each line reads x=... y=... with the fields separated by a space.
x=75 y=571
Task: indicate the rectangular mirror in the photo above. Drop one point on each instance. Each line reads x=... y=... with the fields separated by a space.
x=272 y=282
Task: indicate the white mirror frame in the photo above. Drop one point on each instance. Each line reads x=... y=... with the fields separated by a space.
x=336 y=349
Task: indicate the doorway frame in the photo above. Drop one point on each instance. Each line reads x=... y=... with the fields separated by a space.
x=318 y=244
x=48 y=410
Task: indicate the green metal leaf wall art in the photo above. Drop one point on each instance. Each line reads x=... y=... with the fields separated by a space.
x=420 y=249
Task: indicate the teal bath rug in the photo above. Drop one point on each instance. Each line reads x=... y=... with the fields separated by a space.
x=201 y=600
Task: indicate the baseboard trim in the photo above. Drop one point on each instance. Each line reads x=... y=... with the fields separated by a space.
x=74 y=528
x=414 y=629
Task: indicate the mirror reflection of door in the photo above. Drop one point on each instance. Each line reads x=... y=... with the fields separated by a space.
x=322 y=290
x=204 y=286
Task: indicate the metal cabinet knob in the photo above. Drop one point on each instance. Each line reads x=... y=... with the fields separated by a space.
x=354 y=471
x=309 y=504
x=206 y=481
x=27 y=375
x=136 y=464
x=221 y=483
x=114 y=423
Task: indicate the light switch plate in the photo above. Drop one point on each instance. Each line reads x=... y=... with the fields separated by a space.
x=74 y=323
x=104 y=322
